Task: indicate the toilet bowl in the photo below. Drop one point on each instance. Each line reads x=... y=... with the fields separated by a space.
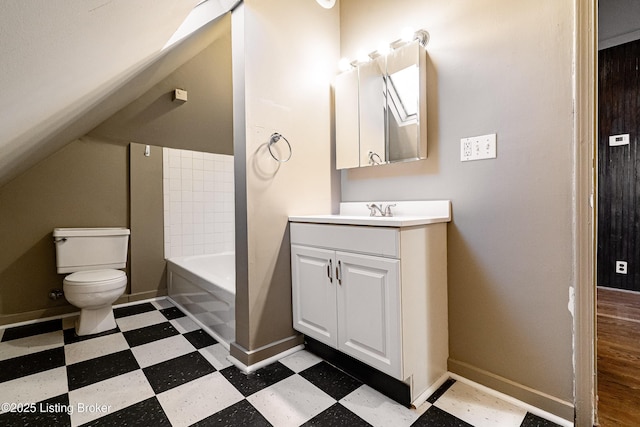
x=93 y=292
x=94 y=257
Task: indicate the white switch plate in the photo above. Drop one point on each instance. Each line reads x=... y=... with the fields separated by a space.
x=180 y=95
x=615 y=140
x=478 y=148
x=621 y=267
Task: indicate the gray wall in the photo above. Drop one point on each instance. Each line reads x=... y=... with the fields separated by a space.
x=89 y=183
x=502 y=67
x=285 y=88
x=86 y=184
x=203 y=123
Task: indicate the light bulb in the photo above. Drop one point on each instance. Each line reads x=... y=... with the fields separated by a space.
x=361 y=56
x=407 y=34
x=383 y=49
x=344 y=64
x=327 y=4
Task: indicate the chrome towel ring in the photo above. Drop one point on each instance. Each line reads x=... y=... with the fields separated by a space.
x=275 y=137
x=372 y=160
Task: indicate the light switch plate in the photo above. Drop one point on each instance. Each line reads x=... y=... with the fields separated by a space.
x=180 y=95
x=616 y=140
x=478 y=147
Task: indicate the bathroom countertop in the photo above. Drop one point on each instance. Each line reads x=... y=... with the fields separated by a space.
x=405 y=214
x=376 y=221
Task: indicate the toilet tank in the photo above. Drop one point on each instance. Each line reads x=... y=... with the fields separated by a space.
x=82 y=249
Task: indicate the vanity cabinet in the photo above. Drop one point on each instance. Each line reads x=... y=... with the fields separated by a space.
x=378 y=294
x=351 y=302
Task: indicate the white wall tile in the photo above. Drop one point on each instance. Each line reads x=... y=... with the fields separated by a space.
x=198 y=202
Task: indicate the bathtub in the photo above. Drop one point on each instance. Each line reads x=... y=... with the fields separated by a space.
x=204 y=287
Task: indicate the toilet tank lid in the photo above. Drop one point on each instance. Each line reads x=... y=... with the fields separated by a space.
x=101 y=231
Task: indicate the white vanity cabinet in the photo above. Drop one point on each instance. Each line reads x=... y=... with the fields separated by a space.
x=376 y=293
x=350 y=302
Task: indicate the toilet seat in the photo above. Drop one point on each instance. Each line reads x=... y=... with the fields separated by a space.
x=95 y=281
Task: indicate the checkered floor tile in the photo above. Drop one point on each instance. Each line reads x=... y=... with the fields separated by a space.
x=158 y=368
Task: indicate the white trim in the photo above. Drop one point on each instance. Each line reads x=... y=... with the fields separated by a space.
x=512 y=400
x=429 y=391
x=261 y=364
x=583 y=227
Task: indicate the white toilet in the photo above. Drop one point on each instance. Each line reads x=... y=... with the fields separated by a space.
x=93 y=256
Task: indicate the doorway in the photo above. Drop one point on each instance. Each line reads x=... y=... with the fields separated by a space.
x=618 y=235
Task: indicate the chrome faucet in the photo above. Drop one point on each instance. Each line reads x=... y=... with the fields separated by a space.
x=387 y=210
x=383 y=210
x=373 y=208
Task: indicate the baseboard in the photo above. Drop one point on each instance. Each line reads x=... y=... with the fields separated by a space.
x=30 y=317
x=38 y=315
x=252 y=357
x=432 y=389
x=249 y=369
x=527 y=395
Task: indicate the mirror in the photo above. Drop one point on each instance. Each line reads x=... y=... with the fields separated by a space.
x=347 y=129
x=380 y=110
x=372 y=105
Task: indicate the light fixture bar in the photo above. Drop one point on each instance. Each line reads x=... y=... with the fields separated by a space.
x=421 y=36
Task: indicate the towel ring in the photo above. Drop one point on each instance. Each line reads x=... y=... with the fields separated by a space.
x=373 y=161
x=275 y=137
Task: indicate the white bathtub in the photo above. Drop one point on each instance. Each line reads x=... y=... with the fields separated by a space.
x=204 y=287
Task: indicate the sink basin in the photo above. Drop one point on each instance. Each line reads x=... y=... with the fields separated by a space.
x=405 y=214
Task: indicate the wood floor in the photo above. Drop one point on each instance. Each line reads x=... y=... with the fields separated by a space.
x=618 y=324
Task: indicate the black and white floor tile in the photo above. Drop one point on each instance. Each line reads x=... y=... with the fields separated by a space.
x=158 y=368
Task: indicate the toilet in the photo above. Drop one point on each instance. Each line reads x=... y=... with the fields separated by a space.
x=94 y=257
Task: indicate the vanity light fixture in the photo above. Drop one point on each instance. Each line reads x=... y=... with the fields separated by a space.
x=344 y=64
x=327 y=4
x=408 y=35
x=383 y=49
x=362 y=57
x=422 y=36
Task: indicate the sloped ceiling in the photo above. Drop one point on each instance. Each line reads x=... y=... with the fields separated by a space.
x=61 y=61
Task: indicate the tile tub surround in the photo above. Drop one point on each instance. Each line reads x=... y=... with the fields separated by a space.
x=159 y=368
x=198 y=202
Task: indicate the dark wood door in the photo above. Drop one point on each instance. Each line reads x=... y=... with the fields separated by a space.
x=619 y=166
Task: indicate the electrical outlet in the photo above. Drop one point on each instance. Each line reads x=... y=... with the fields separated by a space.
x=478 y=148
x=621 y=267
x=466 y=150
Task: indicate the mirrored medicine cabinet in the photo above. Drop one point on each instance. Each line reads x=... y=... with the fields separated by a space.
x=380 y=109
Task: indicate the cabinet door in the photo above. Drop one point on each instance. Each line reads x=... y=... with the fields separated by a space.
x=314 y=293
x=369 y=311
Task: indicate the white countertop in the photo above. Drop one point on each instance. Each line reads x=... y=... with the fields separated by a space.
x=406 y=214
x=378 y=221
